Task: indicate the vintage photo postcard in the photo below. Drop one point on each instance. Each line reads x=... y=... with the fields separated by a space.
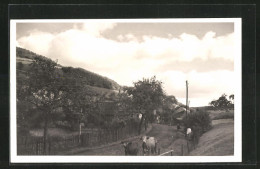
x=125 y=90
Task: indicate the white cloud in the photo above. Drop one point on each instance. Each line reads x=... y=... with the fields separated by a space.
x=96 y=28
x=132 y=60
x=203 y=87
x=38 y=42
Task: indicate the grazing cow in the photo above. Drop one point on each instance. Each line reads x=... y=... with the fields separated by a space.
x=149 y=145
x=131 y=149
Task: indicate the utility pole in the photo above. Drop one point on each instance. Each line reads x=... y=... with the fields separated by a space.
x=186 y=98
x=189 y=106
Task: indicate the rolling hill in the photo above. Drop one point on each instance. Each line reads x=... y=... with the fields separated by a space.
x=99 y=84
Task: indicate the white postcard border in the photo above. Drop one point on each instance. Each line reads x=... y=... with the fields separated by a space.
x=237 y=157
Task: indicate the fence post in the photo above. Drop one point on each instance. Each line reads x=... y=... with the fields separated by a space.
x=188 y=146
x=116 y=134
x=182 y=149
x=37 y=148
x=159 y=151
x=49 y=147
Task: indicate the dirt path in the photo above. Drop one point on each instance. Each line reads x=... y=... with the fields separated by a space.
x=217 y=141
x=163 y=133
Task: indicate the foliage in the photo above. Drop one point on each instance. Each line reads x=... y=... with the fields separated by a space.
x=124 y=103
x=84 y=77
x=199 y=122
x=222 y=102
x=168 y=108
x=117 y=123
x=231 y=98
x=81 y=76
x=43 y=90
x=146 y=95
x=169 y=100
x=19 y=65
x=76 y=102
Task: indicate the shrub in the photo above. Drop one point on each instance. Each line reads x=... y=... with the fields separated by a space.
x=134 y=121
x=199 y=122
x=116 y=123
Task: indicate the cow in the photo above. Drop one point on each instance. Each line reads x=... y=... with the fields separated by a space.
x=149 y=145
x=131 y=149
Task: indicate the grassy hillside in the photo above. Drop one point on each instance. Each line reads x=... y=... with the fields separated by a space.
x=83 y=77
x=219 y=141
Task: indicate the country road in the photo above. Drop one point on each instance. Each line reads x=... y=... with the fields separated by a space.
x=163 y=133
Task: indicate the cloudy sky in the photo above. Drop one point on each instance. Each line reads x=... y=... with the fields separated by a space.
x=202 y=53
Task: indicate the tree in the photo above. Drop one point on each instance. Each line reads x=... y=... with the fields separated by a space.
x=147 y=95
x=222 y=102
x=77 y=101
x=125 y=107
x=44 y=89
x=168 y=108
x=214 y=103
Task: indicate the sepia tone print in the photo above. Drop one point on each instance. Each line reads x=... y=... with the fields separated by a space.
x=125 y=88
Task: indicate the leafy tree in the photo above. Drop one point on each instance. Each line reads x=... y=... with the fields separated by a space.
x=77 y=101
x=44 y=90
x=146 y=95
x=214 y=103
x=168 y=109
x=222 y=102
x=125 y=107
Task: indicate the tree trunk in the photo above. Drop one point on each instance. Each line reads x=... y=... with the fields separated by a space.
x=45 y=130
x=140 y=124
x=145 y=124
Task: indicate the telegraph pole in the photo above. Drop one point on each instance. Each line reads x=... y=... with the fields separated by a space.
x=186 y=98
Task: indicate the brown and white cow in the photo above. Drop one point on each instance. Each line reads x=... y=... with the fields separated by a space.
x=149 y=145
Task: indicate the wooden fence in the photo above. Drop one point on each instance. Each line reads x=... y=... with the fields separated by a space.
x=184 y=150
x=35 y=146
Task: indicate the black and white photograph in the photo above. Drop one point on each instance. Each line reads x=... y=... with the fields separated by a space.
x=125 y=90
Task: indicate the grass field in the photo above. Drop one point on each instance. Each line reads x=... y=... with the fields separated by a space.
x=221 y=114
